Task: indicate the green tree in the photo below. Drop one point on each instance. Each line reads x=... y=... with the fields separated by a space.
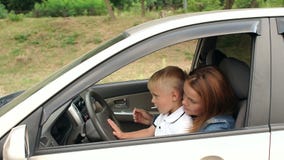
x=3 y=11
x=228 y=4
x=242 y=3
x=143 y=9
x=273 y=3
x=19 y=6
x=123 y=4
x=65 y=8
x=254 y=4
x=204 y=5
x=164 y=4
x=109 y=8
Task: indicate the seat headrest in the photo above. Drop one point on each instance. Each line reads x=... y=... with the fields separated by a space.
x=238 y=74
x=214 y=57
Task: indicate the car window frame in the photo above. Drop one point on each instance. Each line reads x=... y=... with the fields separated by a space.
x=277 y=37
x=259 y=97
x=276 y=112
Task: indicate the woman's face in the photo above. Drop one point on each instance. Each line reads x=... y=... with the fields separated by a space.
x=192 y=102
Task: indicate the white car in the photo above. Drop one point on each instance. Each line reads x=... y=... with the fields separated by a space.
x=61 y=119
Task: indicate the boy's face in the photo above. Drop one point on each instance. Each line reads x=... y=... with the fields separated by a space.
x=192 y=102
x=162 y=98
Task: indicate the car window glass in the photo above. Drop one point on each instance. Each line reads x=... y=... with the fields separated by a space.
x=237 y=45
x=178 y=55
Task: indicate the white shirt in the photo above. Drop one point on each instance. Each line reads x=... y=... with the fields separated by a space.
x=176 y=123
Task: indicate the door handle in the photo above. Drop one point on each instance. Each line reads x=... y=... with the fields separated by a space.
x=120 y=103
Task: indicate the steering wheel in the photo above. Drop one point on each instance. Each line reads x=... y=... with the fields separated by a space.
x=99 y=116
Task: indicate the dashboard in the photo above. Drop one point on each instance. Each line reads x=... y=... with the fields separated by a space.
x=69 y=126
x=79 y=105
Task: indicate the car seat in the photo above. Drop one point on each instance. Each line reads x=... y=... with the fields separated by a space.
x=214 y=57
x=238 y=74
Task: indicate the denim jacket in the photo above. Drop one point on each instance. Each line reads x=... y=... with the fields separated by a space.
x=218 y=123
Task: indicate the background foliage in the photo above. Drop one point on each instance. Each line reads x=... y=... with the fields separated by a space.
x=204 y=5
x=19 y=6
x=66 y=8
x=3 y=11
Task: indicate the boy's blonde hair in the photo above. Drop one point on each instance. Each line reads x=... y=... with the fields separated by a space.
x=171 y=77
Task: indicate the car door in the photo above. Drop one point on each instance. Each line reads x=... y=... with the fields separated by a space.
x=123 y=97
x=277 y=110
x=250 y=142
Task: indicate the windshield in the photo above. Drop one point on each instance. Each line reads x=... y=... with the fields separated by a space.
x=21 y=97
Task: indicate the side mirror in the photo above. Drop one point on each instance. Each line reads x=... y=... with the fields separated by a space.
x=16 y=146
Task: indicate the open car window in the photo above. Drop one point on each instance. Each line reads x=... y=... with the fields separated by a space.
x=176 y=55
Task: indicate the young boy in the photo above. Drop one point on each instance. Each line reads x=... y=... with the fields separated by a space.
x=166 y=87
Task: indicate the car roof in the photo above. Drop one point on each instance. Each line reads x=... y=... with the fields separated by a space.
x=164 y=24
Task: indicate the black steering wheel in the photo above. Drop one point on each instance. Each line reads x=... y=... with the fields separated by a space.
x=99 y=116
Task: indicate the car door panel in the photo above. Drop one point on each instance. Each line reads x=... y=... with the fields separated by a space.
x=123 y=107
x=277 y=141
x=123 y=97
x=234 y=147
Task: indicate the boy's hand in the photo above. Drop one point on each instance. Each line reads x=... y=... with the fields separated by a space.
x=142 y=116
x=116 y=130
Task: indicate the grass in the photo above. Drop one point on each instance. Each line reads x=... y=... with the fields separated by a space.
x=33 y=48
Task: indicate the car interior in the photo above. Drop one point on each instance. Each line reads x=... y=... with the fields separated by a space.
x=84 y=118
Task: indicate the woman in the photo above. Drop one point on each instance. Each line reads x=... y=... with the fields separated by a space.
x=209 y=98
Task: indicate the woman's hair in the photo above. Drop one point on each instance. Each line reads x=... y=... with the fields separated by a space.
x=171 y=77
x=215 y=91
